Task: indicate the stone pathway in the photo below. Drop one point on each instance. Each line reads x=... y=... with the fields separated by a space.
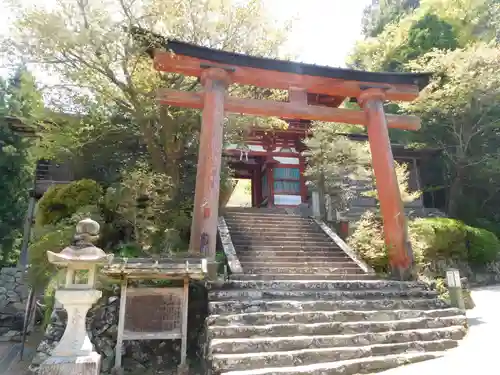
x=9 y=355
x=478 y=352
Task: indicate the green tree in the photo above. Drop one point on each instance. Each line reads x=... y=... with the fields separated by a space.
x=429 y=32
x=20 y=102
x=105 y=79
x=460 y=113
x=439 y=24
x=382 y=12
x=336 y=164
x=101 y=63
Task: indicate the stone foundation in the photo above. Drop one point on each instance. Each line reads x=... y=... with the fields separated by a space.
x=84 y=365
x=157 y=356
x=13 y=297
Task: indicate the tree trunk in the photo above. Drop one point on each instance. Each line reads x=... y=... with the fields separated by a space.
x=454 y=195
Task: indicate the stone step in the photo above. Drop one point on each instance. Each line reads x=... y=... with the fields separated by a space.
x=291 y=305
x=282 y=236
x=295 y=257
x=291 y=246
x=294 y=276
x=249 y=361
x=332 y=327
x=350 y=285
x=281 y=242
x=258 y=210
x=281 y=262
x=305 y=317
x=242 y=294
x=348 y=367
x=275 y=229
x=268 y=210
x=266 y=228
x=327 y=253
x=273 y=225
x=292 y=257
x=268 y=218
x=283 y=344
x=304 y=270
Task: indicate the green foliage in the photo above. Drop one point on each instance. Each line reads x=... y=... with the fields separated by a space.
x=20 y=102
x=54 y=237
x=426 y=34
x=336 y=163
x=438 y=24
x=482 y=245
x=438 y=238
x=403 y=177
x=368 y=241
x=460 y=115
x=382 y=12
x=433 y=239
x=108 y=59
x=62 y=201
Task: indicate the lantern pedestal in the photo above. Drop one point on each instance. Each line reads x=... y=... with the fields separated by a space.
x=76 y=365
x=76 y=341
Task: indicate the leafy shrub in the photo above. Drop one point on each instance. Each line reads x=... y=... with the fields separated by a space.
x=54 y=238
x=438 y=238
x=368 y=241
x=62 y=201
x=432 y=239
x=482 y=246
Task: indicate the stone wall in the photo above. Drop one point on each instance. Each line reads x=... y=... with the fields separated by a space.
x=13 y=297
x=140 y=357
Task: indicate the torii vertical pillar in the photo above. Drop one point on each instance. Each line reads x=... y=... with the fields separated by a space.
x=391 y=205
x=206 y=198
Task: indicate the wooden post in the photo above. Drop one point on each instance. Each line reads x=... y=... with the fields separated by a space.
x=257 y=180
x=391 y=206
x=185 y=310
x=303 y=187
x=206 y=200
x=121 y=324
x=270 y=184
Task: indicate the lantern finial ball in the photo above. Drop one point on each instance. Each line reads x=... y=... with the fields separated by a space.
x=87 y=231
x=88 y=226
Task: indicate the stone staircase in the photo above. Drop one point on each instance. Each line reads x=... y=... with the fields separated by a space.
x=281 y=317
x=272 y=245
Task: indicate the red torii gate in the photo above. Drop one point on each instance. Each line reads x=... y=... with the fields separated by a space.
x=218 y=69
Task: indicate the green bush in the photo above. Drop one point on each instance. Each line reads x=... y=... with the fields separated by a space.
x=438 y=238
x=482 y=246
x=62 y=201
x=432 y=239
x=368 y=241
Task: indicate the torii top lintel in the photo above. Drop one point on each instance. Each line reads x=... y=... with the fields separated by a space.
x=192 y=60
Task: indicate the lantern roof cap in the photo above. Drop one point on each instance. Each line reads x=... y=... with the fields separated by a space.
x=82 y=250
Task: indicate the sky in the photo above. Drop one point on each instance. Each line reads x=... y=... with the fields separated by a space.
x=324 y=30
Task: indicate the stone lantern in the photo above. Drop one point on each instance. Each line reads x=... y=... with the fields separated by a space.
x=75 y=353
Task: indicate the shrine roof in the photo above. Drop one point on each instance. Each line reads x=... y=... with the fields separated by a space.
x=161 y=268
x=232 y=58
